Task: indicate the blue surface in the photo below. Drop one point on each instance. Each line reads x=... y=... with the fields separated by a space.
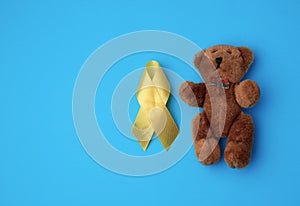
x=44 y=44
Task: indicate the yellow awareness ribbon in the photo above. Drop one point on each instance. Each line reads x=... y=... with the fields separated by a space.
x=153 y=116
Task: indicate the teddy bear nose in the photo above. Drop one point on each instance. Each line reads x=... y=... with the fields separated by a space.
x=219 y=60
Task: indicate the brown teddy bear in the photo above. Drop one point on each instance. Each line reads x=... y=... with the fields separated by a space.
x=222 y=96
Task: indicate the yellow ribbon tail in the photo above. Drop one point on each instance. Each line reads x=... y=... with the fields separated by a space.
x=142 y=130
x=170 y=131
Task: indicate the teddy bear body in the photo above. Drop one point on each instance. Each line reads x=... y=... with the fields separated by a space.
x=231 y=112
x=222 y=97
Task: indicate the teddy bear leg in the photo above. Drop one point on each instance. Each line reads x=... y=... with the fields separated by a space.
x=206 y=146
x=239 y=144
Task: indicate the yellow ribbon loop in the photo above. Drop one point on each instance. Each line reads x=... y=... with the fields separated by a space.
x=153 y=116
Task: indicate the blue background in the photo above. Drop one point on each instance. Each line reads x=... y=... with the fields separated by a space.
x=44 y=44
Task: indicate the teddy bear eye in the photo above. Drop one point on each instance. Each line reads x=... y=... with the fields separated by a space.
x=229 y=51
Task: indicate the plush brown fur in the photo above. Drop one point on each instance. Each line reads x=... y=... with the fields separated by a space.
x=222 y=114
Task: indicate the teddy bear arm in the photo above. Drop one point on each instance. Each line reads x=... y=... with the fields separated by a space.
x=247 y=93
x=193 y=94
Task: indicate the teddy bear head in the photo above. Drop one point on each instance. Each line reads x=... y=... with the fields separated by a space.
x=225 y=62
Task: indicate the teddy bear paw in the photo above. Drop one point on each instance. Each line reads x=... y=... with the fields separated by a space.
x=237 y=155
x=208 y=152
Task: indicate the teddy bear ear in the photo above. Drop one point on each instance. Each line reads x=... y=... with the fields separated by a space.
x=198 y=58
x=247 y=55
